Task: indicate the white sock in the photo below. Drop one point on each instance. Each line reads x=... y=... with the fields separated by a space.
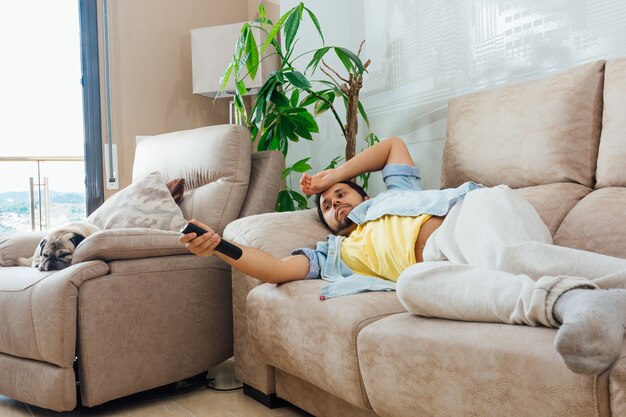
x=592 y=328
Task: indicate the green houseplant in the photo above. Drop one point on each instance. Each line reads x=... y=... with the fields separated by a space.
x=280 y=113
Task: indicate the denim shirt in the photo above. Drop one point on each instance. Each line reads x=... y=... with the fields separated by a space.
x=404 y=197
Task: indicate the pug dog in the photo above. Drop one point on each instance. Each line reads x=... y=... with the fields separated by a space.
x=55 y=251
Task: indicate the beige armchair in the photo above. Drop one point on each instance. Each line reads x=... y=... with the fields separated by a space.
x=134 y=310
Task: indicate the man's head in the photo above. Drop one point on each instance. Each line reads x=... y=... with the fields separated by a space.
x=335 y=203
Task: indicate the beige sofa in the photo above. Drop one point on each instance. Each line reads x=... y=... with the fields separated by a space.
x=135 y=310
x=561 y=141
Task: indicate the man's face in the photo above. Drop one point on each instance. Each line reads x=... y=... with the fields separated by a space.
x=336 y=203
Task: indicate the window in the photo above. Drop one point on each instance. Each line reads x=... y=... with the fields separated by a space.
x=42 y=158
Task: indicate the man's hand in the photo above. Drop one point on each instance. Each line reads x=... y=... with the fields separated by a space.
x=201 y=245
x=314 y=184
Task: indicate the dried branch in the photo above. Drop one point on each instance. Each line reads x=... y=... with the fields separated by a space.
x=360 y=47
x=367 y=64
x=343 y=87
x=330 y=68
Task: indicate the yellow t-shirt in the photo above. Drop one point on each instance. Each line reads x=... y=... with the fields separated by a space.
x=383 y=247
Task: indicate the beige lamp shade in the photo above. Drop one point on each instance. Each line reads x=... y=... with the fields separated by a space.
x=212 y=49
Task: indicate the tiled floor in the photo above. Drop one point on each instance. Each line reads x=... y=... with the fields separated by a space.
x=188 y=399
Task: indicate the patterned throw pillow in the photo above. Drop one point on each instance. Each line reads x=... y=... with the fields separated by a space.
x=145 y=203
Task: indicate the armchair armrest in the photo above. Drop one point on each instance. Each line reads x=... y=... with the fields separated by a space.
x=278 y=233
x=18 y=245
x=132 y=243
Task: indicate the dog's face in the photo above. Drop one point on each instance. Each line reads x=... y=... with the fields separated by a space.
x=55 y=251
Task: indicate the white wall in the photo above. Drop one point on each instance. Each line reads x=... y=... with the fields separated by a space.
x=426 y=52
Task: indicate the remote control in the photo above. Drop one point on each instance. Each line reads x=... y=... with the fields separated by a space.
x=224 y=247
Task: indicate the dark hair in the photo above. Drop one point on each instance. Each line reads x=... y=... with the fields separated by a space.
x=356 y=187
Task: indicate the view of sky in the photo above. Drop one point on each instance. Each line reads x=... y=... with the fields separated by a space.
x=41 y=98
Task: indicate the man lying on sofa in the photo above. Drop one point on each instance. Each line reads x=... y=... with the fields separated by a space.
x=470 y=253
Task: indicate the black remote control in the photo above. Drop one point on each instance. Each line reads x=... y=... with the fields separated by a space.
x=224 y=247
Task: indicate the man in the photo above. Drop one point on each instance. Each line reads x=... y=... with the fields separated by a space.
x=469 y=253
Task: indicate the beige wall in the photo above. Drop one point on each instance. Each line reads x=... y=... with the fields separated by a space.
x=150 y=69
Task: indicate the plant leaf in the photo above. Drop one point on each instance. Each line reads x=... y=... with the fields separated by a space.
x=344 y=59
x=311 y=98
x=366 y=179
x=286 y=172
x=252 y=64
x=226 y=76
x=302 y=131
x=301 y=165
x=299 y=199
x=334 y=162
x=279 y=98
x=305 y=118
x=316 y=23
x=241 y=88
x=298 y=79
x=320 y=107
x=349 y=59
x=291 y=28
x=272 y=35
x=284 y=201
x=295 y=96
x=363 y=114
x=317 y=58
x=265 y=139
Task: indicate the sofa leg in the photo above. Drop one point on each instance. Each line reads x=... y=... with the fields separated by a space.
x=268 y=400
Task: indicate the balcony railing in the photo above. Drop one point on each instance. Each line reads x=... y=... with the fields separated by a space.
x=53 y=186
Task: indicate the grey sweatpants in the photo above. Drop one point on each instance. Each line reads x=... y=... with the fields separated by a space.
x=492 y=260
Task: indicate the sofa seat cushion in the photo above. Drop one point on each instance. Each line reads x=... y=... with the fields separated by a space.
x=315 y=340
x=39 y=311
x=431 y=367
x=597 y=223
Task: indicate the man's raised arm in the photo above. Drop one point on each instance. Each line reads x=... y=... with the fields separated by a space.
x=388 y=151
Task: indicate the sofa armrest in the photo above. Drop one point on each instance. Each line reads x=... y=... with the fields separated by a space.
x=18 y=245
x=132 y=243
x=278 y=233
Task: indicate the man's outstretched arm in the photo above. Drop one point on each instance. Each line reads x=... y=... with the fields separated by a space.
x=254 y=262
x=388 y=151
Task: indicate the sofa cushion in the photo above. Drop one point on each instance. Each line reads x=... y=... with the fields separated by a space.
x=18 y=245
x=612 y=151
x=145 y=203
x=39 y=311
x=597 y=223
x=315 y=340
x=133 y=243
x=215 y=163
x=553 y=201
x=538 y=132
x=431 y=367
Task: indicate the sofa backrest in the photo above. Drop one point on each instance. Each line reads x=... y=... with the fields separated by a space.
x=539 y=132
x=559 y=140
x=265 y=173
x=598 y=222
x=215 y=162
